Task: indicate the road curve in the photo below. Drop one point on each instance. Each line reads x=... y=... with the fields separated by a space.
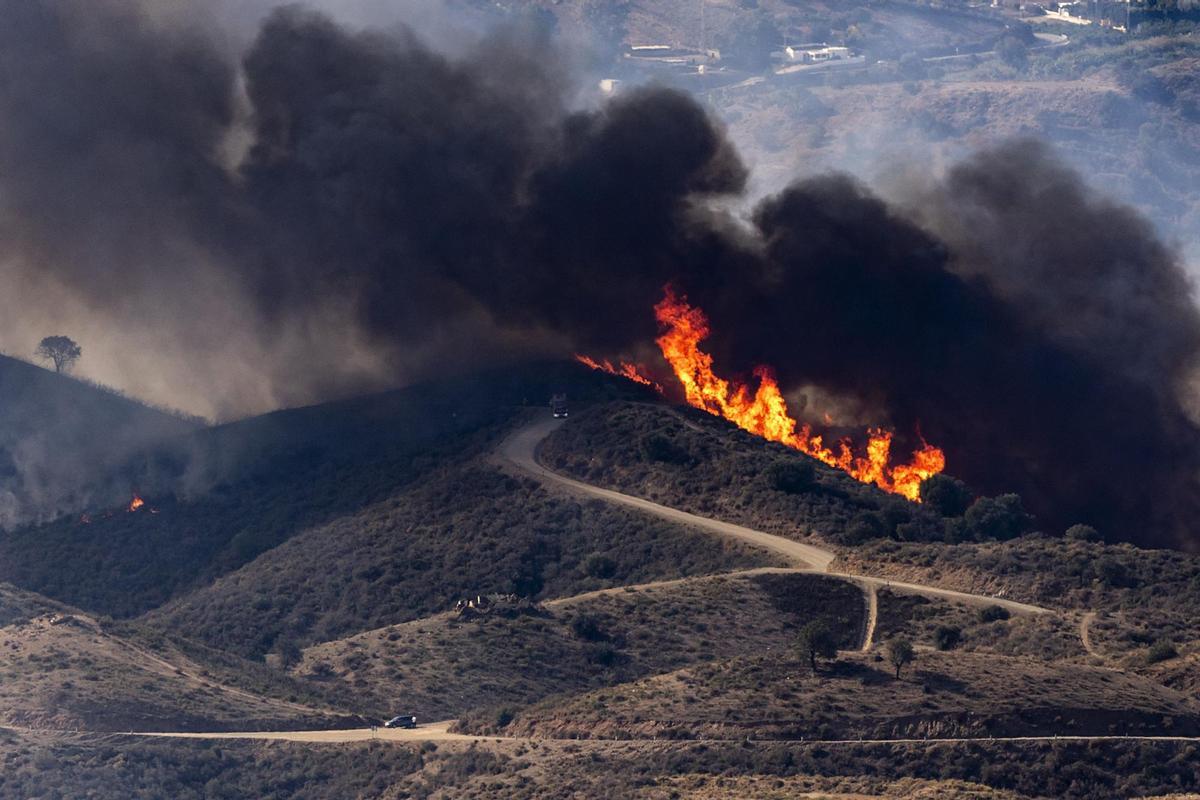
x=520 y=450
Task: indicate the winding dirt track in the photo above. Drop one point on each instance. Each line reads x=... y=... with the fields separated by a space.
x=520 y=450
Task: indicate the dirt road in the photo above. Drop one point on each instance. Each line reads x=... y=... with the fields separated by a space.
x=438 y=732
x=521 y=447
x=872 y=619
x=433 y=732
x=520 y=450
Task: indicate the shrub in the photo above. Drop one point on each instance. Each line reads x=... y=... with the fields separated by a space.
x=288 y=651
x=791 y=477
x=993 y=614
x=947 y=637
x=657 y=447
x=588 y=628
x=599 y=566
x=1162 y=650
x=948 y=496
x=865 y=526
x=1113 y=573
x=1000 y=517
x=1082 y=533
x=604 y=655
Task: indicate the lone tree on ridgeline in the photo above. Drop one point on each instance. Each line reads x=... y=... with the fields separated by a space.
x=815 y=640
x=60 y=350
x=900 y=654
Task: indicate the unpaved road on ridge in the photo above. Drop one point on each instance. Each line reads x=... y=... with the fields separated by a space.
x=520 y=449
x=437 y=732
x=432 y=732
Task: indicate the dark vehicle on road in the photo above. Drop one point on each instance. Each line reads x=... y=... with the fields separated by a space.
x=402 y=721
x=558 y=406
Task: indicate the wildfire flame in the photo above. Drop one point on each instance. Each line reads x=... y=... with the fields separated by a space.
x=765 y=412
x=625 y=370
x=136 y=503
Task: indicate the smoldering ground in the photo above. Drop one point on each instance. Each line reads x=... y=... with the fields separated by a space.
x=330 y=211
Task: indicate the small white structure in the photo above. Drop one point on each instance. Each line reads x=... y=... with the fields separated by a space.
x=816 y=55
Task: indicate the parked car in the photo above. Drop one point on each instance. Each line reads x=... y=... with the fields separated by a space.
x=402 y=721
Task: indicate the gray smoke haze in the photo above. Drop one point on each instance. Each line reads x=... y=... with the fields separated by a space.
x=232 y=223
x=128 y=216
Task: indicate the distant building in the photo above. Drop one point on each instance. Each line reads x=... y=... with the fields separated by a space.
x=815 y=54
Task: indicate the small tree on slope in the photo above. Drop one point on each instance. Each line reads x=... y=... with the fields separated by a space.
x=816 y=640
x=59 y=350
x=900 y=654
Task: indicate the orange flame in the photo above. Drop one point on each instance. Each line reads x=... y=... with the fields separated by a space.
x=765 y=413
x=625 y=370
x=136 y=503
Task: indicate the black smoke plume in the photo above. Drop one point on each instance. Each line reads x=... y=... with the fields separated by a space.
x=333 y=210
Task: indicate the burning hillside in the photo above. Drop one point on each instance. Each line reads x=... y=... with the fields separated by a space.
x=764 y=410
x=1055 y=361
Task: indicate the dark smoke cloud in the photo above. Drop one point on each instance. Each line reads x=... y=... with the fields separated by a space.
x=338 y=210
x=859 y=299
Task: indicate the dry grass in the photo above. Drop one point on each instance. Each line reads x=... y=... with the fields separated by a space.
x=443 y=666
x=1043 y=636
x=708 y=787
x=943 y=694
x=63 y=671
x=464 y=531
